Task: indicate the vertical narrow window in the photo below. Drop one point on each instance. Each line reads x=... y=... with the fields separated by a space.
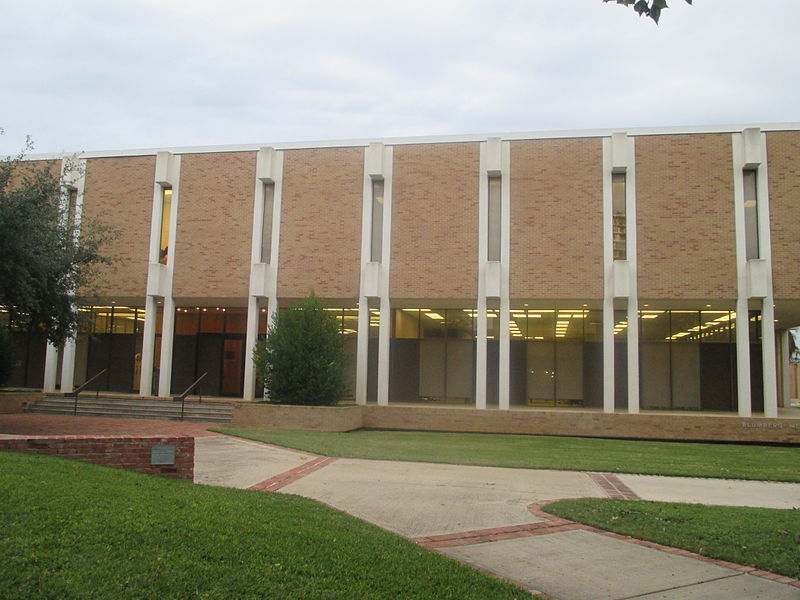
x=619 y=220
x=495 y=211
x=266 y=223
x=376 y=247
x=166 y=209
x=751 y=213
x=72 y=203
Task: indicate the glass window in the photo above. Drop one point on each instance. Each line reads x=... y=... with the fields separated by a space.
x=266 y=222
x=376 y=239
x=751 y=213
x=619 y=223
x=495 y=213
x=166 y=208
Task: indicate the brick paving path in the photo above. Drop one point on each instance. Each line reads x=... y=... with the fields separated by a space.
x=35 y=424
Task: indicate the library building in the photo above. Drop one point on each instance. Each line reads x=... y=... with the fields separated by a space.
x=648 y=270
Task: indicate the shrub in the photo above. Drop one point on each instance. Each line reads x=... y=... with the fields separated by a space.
x=6 y=355
x=302 y=360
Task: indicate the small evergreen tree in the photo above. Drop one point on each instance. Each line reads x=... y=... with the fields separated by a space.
x=302 y=360
x=6 y=355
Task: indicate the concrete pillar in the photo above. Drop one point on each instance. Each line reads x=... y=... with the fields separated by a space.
x=786 y=381
x=362 y=350
x=608 y=354
x=250 y=345
x=167 y=335
x=743 y=358
x=480 y=355
x=384 y=332
x=504 y=358
x=148 y=347
x=50 y=368
x=768 y=360
x=68 y=366
x=633 y=355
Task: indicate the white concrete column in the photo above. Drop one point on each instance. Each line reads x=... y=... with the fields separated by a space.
x=504 y=358
x=786 y=380
x=608 y=355
x=250 y=344
x=480 y=354
x=743 y=358
x=362 y=350
x=633 y=355
x=167 y=335
x=148 y=347
x=68 y=366
x=50 y=368
x=384 y=332
x=769 y=363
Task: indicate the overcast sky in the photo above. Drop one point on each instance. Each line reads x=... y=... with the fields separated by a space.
x=98 y=74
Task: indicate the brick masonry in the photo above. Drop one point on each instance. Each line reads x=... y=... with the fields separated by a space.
x=214 y=230
x=685 y=220
x=123 y=452
x=783 y=156
x=317 y=418
x=557 y=219
x=662 y=426
x=15 y=402
x=119 y=192
x=435 y=221
x=320 y=245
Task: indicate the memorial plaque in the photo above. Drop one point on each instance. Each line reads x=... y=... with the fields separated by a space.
x=162 y=455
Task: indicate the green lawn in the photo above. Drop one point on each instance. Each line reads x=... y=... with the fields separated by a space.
x=69 y=530
x=765 y=538
x=731 y=461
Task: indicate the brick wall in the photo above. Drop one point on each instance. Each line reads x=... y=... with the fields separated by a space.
x=557 y=219
x=215 y=225
x=588 y=424
x=315 y=418
x=123 y=452
x=15 y=402
x=119 y=192
x=435 y=221
x=320 y=245
x=685 y=221
x=783 y=156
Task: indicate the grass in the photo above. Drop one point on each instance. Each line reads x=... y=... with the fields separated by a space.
x=729 y=461
x=70 y=530
x=765 y=538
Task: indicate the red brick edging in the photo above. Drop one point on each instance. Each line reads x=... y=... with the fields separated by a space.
x=537 y=508
x=613 y=486
x=277 y=482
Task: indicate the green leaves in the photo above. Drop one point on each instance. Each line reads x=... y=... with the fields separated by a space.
x=43 y=265
x=648 y=8
x=302 y=360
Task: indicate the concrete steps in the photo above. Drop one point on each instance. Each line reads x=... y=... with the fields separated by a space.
x=134 y=408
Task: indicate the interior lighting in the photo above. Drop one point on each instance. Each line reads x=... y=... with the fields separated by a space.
x=434 y=315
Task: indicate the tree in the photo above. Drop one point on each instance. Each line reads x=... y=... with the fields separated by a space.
x=302 y=360
x=648 y=8
x=44 y=262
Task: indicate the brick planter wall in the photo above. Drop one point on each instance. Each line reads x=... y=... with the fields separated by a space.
x=584 y=423
x=15 y=402
x=124 y=452
x=278 y=416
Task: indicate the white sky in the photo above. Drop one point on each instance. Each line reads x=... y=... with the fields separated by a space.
x=98 y=74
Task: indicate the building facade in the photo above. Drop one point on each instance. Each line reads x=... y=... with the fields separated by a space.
x=626 y=271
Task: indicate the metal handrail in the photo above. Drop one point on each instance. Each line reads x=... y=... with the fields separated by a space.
x=74 y=393
x=187 y=391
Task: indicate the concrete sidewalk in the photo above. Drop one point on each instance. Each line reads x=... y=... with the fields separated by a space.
x=491 y=518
